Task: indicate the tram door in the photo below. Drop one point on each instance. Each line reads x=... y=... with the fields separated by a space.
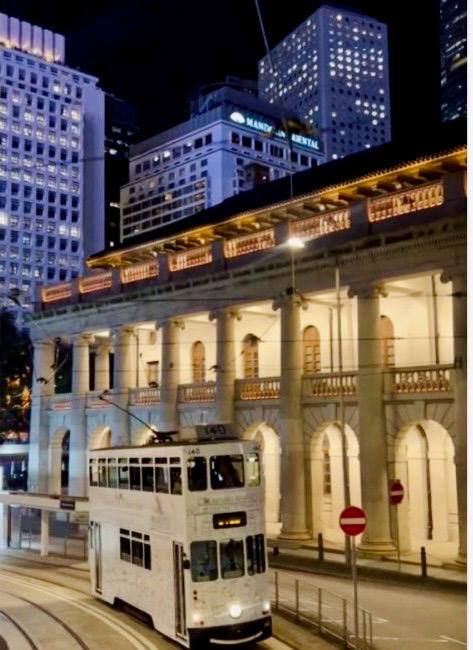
x=179 y=590
x=97 y=546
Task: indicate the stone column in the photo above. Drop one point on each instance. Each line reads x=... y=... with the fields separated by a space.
x=78 y=427
x=4 y=516
x=167 y=412
x=293 y=501
x=226 y=364
x=459 y=293
x=373 y=444
x=44 y=543
x=102 y=366
x=124 y=378
x=42 y=389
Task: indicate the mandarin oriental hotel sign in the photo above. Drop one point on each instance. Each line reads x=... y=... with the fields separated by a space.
x=256 y=124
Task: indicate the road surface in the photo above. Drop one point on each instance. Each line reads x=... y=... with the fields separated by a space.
x=403 y=617
x=44 y=607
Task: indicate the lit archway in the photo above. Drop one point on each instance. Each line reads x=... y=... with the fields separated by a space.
x=270 y=447
x=143 y=436
x=58 y=475
x=424 y=462
x=327 y=478
x=100 y=438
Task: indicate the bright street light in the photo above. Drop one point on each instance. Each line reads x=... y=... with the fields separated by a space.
x=295 y=242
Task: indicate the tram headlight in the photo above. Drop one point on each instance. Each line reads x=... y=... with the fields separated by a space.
x=266 y=607
x=235 y=611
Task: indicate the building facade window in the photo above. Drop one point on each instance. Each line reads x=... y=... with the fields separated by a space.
x=311 y=349
x=387 y=342
x=250 y=357
x=198 y=362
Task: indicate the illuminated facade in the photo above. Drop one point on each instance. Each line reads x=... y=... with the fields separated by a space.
x=205 y=325
x=333 y=71
x=51 y=166
x=453 y=45
x=231 y=144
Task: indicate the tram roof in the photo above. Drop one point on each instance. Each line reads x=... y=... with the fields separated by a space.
x=174 y=443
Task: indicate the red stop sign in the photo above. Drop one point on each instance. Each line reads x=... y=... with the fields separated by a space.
x=396 y=493
x=352 y=520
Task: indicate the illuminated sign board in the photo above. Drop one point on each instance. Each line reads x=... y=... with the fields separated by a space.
x=229 y=520
x=265 y=127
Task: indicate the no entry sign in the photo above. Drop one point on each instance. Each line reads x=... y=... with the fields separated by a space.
x=396 y=493
x=352 y=520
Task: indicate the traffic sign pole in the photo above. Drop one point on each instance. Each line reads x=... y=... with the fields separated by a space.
x=353 y=522
x=355 y=589
x=396 y=495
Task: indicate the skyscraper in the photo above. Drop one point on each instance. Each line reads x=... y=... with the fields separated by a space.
x=333 y=71
x=453 y=59
x=51 y=160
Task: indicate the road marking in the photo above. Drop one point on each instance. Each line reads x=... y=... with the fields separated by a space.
x=449 y=638
x=138 y=642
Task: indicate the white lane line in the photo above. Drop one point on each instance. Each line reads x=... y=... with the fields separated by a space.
x=135 y=638
x=274 y=644
x=449 y=638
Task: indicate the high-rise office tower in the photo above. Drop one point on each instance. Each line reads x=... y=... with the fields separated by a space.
x=453 y=59
x=333 y=71
x=120 y=131
x=51 y=160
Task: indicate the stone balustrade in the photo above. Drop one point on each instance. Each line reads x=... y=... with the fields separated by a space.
x=427 y=379
x=395 y=204
x=197 y=393
x=97 y=282
x=56 y=292
x=189 y=259
x=258 y=389
x=144 y=396
x=320 y=225
x=93 y=401
x=60 y=402
x=252 y=243
x=328 y=384
x=139 y=272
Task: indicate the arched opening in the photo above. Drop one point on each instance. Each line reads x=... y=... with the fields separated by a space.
x=100 y=438
x=270 y=448
x=387 y=342
x=198 y=362
x=143 y=436
x=327 y=479
x=58 y=478
x=424 y=463
x=311 y=349
x=250 y=357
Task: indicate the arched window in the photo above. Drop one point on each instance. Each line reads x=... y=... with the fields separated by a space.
x=250 y=357
x=198 y=362
x=311 y=349
x=327 y=472
x=387 y=342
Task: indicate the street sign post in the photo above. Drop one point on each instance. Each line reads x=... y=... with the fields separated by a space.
x=353 y=522
x=396 y=495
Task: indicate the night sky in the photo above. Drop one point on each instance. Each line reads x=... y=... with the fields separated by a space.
x=154 y=53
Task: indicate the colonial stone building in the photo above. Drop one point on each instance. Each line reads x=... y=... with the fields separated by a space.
x=222 y=321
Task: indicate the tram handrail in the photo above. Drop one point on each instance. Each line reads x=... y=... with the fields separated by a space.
x=329 y=613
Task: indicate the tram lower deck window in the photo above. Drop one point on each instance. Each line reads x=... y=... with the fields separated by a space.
x=227 y=471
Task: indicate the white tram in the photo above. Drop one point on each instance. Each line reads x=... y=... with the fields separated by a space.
x=177 y=532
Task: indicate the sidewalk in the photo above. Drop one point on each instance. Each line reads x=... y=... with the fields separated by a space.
x=304 y=557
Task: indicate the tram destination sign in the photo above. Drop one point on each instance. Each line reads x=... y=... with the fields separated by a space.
x=229 y=520
x=224 y=431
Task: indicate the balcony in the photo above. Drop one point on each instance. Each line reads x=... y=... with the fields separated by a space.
x=258 y=389
x=424 y=379
x=98 y=282
x=144 y=396
x=325 y=384
x=320 y=225
x=139 y=272
x=198 y=393
x=93 y=401
x=395 y=204
x=60 y=402
x=189 y=259
x=253 y=243
x=56 y=292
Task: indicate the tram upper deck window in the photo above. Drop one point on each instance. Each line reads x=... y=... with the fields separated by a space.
x=112 y=473
x=231 y=558
x=147 y=475
x=93 y=473
x=123 y=474
x=204 y=561
x=161 y=475
x=197 y=473
x=176 y=480
x=252 y=467
x=135 y=474
x=102 y=473
x=227 y=471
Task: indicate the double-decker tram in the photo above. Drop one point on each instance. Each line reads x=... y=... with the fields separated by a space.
x=177 y=532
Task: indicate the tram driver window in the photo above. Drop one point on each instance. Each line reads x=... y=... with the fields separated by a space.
x=253 y=475
x=231 y=558
x=197 y=473
x=204 y=561
x=226 y=471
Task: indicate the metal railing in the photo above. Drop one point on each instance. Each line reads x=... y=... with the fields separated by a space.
x=328 y=613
